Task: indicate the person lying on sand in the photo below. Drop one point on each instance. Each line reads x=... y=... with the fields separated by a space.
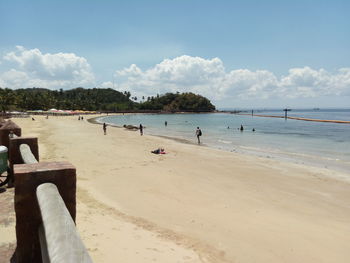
x=159 y=151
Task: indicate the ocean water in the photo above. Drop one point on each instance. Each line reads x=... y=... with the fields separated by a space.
x=316 y=143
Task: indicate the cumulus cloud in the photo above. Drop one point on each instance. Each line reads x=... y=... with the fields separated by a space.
x=181 y=74
x=106 y=85
x=32 y=68
x=210 y=78
x=13 y=78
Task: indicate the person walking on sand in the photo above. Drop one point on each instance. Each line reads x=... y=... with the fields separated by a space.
x=104 y=128
x=198 y=134
x=141 y=129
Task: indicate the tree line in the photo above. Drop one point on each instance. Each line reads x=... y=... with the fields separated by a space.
x=97 y=99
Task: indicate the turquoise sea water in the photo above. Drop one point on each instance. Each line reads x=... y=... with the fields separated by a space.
x=317 y=143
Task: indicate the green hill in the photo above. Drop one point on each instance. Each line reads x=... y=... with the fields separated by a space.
x=98 y=100
x=178 y=102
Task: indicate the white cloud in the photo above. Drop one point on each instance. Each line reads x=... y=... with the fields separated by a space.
x=181 y=74
x=13 y=78
x=59 y=70
x=246 y=83
x=107 y=85
x=209 y=78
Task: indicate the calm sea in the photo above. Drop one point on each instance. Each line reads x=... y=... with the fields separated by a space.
x=316 y=143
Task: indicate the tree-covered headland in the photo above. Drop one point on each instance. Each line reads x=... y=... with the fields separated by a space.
x=97 y=99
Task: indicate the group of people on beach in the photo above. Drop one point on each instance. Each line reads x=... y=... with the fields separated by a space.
x=104 y=127
x=198 y=132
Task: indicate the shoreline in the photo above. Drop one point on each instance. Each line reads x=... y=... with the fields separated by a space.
x=180 y=140
x=288 y=157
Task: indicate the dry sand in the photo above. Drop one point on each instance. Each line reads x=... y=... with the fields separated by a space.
x=195 y=204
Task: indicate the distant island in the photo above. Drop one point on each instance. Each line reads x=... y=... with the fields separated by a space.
x=96 y=99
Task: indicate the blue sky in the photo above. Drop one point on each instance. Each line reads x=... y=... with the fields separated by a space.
x=270 y=53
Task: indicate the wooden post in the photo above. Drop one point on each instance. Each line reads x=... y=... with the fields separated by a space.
x=285 y=112
x=14 y=152
x=15 y=155
x=28 y=219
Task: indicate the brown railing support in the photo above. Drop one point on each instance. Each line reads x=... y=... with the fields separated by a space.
x=5 y=130
x=14 y=152
x=28 y=218
x=15 y=155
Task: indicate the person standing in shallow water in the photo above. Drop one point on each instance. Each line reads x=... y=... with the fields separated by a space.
x=141 y=129
x=198 y=134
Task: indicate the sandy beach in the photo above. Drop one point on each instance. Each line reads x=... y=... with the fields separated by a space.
x=194 y=204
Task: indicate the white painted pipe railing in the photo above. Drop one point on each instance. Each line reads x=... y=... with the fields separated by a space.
x=59 y=237
x=27 y=155
x=12 y=135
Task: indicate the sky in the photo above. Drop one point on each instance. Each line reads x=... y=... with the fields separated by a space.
x=239 y=54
